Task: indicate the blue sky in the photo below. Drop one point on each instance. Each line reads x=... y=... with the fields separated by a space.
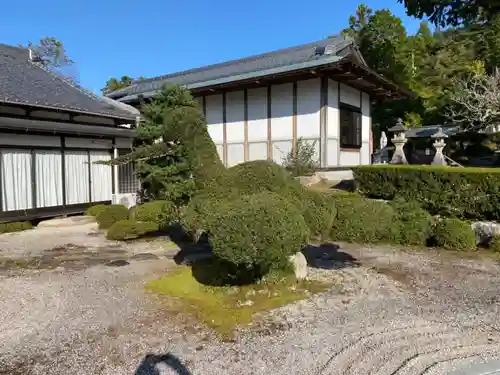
x=155 y=37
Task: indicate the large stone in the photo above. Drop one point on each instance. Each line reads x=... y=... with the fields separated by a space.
x=299 y=263
x=309 y=180
x=485 y=230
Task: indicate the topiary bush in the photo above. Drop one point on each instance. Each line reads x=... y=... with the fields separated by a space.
x=495 y=243
x=257 y=232
x=15 y=226
x=196 y=214
x=361 y=220
x=96 y=209
x=163 y=213
x=112 y=214
x=412 y=224
x=128 y=229
x=453 y=234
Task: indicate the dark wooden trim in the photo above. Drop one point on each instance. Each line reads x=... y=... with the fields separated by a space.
x=33 y=179
x=113 y=185
x=89 y=175
x=245 y=114
x=224 y=129
x=269 y=133
x=349 y=107
x=294 y=117
x=47 y=212
x=51 y=148
x=204 y=105
x=54 y=134
x=350 y=149
x=63 y=170
x=333 y=169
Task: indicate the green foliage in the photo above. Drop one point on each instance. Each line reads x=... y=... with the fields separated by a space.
x=454 y=234
x=361 y=220
x=257 y=232
x=198 y=212
x=163 y=213
x=112 y=214
x=495 y=243
x=412 y=225
x=302 y=161
x=96 y=209
x=15 y=226
x=126 y=229
x=454 y=13
x=462 y=192
x=114 y=84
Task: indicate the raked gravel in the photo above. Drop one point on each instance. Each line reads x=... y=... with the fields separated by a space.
x=393 y=313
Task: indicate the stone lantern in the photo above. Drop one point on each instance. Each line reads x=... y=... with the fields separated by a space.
x=439 y=145
x=399 y=140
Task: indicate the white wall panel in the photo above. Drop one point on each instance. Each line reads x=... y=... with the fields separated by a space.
x=281 y=150
x=350 y=95
x=29 y=140
x=101 y=177
x=49 y=180
x=16 y=180
x=365 y=153
x=220 y=151
x=349 y=158
x=257 y=151
x=77 y=177
x=333 y=129
x=88 y=143
x=308 y=108
x=316 y=143
x=365 y=119
x=235 y=116
x=282 y=112
x=214 y=117
x=235 y=154
x=257 y=114
x=332 y=156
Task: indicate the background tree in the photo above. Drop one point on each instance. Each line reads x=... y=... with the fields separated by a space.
x=51 y=54
x=453 y=12
x=115 y=84
x=357 y=22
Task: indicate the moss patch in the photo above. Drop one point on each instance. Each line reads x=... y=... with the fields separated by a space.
x=225 y=308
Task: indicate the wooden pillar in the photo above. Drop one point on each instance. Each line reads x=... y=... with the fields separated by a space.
x=269 y=116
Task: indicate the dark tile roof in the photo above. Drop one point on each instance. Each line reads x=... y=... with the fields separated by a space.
x=428 y=130
x=26 y=83
x=275 y=59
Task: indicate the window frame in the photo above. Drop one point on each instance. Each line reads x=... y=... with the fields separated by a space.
x=357 y=127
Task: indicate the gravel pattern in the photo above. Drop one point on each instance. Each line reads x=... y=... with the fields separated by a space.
x=389 y=312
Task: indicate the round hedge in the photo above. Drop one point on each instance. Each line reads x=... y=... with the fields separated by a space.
x=257 y=231
x=128 y=229
x=454 y=234
x=163 y=213
x=96 y=209
x=412 y=224
x=113 y=213
x=15 y=226
x=199 y=210
x=361 y=220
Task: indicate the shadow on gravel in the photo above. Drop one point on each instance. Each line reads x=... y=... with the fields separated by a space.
x=149 y=364
x=328 y=256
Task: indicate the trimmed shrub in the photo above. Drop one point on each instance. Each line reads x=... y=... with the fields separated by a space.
x=454 y=234
x=95 y=210
x=302 y=161
x=163 y=213
x=495 y=243
x=412 y=224
x=457 y=192
x=257 y=232
x=258 y=176
x=112 y=214
x=128 y=229
x=15 y=226
x=361 y=220
x=196 y=214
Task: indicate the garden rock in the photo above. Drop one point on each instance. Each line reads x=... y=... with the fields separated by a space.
x=299 y=264
x=309 y=180
x=485 y=230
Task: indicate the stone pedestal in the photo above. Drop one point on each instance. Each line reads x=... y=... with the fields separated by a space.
x=399 y=156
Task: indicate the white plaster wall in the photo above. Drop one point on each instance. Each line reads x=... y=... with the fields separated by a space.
x=29 y=140
x=257 y=151
x=350 y=95
x=308 y=108
x=88 y=143
x=280 y=150
x=332 y=157
x=235 y=154
x=214 y=118
x=349 y=158
x=235 y=117
x=282 y=112
x=365 y=129
x=333 y=125
x=257 y=115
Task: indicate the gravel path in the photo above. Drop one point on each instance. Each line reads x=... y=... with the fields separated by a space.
x=390 y=312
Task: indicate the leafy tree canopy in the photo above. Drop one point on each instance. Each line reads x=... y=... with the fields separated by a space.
x=115 y=84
